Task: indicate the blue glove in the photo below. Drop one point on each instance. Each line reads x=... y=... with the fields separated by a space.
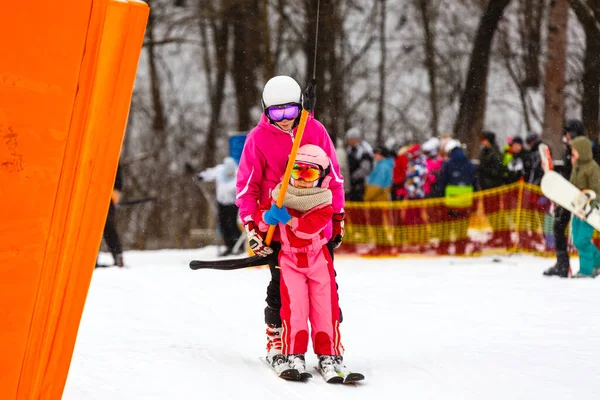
x=275 y=215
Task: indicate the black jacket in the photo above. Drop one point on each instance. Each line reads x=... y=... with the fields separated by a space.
x=519 y=167
x=360 y=164
x=491 y=171
x=536 y=172
x=456 y=171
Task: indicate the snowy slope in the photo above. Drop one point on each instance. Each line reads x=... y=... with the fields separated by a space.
x=422 y=328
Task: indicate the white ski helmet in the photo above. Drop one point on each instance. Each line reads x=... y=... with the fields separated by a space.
x=311 y=154
x=451 y=145
x=431 y=146
x=280 y=90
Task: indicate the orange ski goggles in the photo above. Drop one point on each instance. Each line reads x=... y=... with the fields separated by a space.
x=306 y=172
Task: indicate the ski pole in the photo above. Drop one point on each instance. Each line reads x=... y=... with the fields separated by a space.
x=288 y=169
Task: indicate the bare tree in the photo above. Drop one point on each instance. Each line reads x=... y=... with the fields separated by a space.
x=328 y=67
x=516 y=73
x=471 y=114
x=588 y=14
x=530 y=29
x=219 y=27
x=265 y=42
x=554 y=79
x=246 y=57
x=158 y=115
x=428 y=14
x=382 y=73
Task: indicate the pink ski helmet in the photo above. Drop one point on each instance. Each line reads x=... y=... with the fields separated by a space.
x=314 y=155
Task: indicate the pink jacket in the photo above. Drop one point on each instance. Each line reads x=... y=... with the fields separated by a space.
x=308 y=290
x=434 y=165
x=263 y=162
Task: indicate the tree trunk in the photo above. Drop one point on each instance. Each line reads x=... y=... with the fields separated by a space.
x=554 y=81
x=216 y=101
x=216 y=85
x=429 y=34
x=158 y=114
x=531 y=25
x=265 y=43
x=515 y=74
x=382 y=46
x=471 y=114
x=155 y=217
x=589 y=17
x=327 y=71
x=246 y=58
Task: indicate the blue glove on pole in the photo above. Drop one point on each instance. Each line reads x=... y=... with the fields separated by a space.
x=275 y=215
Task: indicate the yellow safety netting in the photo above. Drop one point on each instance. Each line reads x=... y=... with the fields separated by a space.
x=507 y=219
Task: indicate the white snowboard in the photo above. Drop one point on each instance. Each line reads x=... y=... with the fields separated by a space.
x=564 y=193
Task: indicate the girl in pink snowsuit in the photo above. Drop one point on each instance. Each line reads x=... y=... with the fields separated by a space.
x=434 y=164
x=308 y=289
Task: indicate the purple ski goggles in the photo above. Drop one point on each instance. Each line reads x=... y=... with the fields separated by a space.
x=285 y=111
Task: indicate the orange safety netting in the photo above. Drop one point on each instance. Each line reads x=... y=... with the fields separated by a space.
x=511 y=218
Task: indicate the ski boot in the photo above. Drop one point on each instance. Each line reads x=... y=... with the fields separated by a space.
x=298 y=362
x=273 y=343
x=326 y=368
x=562 y=267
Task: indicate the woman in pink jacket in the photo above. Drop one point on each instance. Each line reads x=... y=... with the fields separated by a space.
x=261 y=168
x=308 y=289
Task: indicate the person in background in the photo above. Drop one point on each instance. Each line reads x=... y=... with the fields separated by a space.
x=110 y=234
x=491 y=175
x=585 y=175
x=491 y=171
x=445 y=138
x=533 y=173
x=342 y=156
x=224 y=175
x=433 y=162
x=360 y=163
x=507 y=152
x=379 y=181
x=414 y=189
x=516 y=169
x=536 y=172
x=416 y=174
x=572 y=129
x=402 y=163
x=436 y=211
x=456 y=184
x=399 y=173
x=518 y=165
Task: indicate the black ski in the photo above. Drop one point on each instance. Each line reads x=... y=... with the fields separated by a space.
x=229 y=264
x=289 y=374
x=353 y=377
x=304 y=376
x=339 y=377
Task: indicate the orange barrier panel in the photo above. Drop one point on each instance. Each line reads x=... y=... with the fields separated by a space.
x=65 y=91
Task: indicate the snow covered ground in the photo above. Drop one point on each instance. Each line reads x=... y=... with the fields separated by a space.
x=420 y=328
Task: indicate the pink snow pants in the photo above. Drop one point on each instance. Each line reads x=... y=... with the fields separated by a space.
x=308 y=292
